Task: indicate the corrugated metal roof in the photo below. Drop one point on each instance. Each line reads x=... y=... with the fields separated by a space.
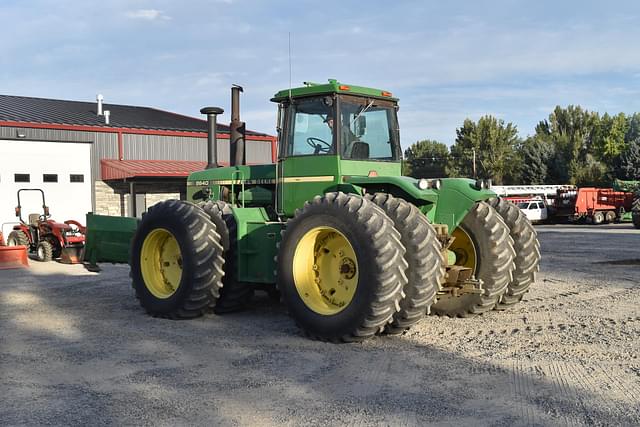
x=56 y=111
x=121 y=169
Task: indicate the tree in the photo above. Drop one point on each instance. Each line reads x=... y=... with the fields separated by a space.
x=572 y=132
x=588 y=173
x=630 y=161
x=633 y=128
x=614 y=141
x=494 y=144
x=426 y=159
x=536 y=156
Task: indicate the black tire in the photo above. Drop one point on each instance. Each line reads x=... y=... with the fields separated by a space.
x=199 y=260
x=609 y=217
x=527 y=250
x=635 y=211
x=494 y=263
x=423 y=255
x=234 y=295
x=376 y=245
x=597 y=218
x=17 y=238
x=44 y=251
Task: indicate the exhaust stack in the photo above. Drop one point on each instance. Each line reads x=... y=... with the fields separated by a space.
x=99 y=99
x=236 y=151
x=212 y=136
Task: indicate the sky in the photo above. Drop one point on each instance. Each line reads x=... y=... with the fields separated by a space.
x=446 y=61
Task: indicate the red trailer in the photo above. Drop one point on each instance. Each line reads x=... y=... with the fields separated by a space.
x=595 y=205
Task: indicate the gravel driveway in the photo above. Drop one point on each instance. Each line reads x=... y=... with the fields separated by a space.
x=76 y=348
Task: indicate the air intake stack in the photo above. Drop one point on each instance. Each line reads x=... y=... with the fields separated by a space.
x=212 y=136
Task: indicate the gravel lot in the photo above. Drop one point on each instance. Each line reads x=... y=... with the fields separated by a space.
x=76 y=348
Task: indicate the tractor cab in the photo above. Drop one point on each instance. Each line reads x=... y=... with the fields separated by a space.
x=331 y=132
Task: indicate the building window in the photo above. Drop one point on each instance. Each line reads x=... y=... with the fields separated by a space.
x=50 y=177
x=76 y=178
x=21 y=177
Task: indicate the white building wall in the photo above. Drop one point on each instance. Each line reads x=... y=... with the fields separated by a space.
x=66 y=200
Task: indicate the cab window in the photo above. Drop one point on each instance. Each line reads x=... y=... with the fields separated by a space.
x=367 y=130
x=310 y=129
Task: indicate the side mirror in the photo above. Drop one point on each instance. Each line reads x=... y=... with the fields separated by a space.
x=361 y=126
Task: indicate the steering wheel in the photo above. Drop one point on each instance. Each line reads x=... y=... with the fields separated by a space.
x=319 y=145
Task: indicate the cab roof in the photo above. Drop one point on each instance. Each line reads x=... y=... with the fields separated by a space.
x=333 y=86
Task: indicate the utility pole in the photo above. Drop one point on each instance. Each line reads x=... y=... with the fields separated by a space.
x=474 y=163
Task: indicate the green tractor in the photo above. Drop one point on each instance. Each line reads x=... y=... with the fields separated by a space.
x=352 y=247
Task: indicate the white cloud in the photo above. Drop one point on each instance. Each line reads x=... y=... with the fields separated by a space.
x=147 y=15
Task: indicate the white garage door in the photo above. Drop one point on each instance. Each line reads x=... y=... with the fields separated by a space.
x=61 y=170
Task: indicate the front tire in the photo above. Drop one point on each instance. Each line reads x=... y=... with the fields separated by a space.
x=423 y=255
x=483 y=244
x=341 y=268
x=44 y=251
x=176 y=260
x=527 y=251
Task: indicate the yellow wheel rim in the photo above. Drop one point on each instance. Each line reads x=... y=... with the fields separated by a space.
x=325 y=270
x=464 y=249
x=161 y=263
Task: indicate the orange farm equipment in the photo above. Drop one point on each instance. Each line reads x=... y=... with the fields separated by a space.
x=47 y=238
x=12 y=256
x=594 y=205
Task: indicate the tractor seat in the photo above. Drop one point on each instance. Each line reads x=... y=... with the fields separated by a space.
x=360 y=150
x=34 y=218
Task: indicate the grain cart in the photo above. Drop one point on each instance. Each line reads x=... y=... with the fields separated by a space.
x=353 y=247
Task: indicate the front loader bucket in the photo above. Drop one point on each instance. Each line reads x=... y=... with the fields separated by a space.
x=108 y=238
x=13 y=257
x=72 y=255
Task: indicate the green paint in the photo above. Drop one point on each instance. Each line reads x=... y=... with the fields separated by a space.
x=333 y=86
x=257 y=245
x=455 y=199
x=108 y=238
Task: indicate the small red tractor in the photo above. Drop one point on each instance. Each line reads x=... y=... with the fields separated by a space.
x=47 y=238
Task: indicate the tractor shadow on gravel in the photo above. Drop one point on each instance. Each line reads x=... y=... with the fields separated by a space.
x=79 y=348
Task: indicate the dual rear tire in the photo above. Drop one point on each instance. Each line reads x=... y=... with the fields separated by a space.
x=341 y=268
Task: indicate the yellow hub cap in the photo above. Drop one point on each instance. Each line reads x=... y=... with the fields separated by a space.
x=161 y=263
x=464 y=249
x=325 y=270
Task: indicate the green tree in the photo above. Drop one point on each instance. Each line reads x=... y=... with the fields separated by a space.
x=572 y=133
x=614 y=141
x=494 y=145
x=426 y=159
x=536 y=156
x=629 y=165
x=633 y=128
x=589 y=173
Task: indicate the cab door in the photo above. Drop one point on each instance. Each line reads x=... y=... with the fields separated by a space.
x=308 y=164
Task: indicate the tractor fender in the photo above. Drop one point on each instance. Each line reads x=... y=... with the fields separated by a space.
x=456 y=197
x=448 y=204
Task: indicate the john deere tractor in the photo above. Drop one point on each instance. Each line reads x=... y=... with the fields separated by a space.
x=352 y=247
